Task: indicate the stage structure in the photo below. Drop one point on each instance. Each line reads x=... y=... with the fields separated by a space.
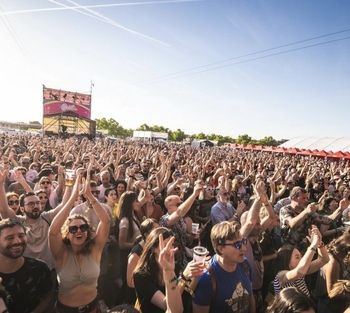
x=67 y=113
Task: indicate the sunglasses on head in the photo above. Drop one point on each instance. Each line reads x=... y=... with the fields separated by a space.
x=237 y=244
x=74 y=229
x=12 y=202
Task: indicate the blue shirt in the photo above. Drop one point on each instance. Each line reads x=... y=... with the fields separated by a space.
x=233 y=291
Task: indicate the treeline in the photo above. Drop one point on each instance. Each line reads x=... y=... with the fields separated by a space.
x=116 y=130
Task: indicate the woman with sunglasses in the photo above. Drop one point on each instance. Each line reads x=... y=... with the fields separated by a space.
x=292 y=267
x=77 y=253
x=13 y=202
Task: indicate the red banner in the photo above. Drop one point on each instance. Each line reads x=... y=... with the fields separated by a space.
x=57 y=101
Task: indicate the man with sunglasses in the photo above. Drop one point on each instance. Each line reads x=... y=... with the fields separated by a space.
x=223 y=210
x=226 y=285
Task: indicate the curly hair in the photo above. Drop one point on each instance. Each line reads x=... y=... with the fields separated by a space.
x=89 y=242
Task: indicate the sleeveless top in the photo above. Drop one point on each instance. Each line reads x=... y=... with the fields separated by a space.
x=74 y=274
x=299 y=284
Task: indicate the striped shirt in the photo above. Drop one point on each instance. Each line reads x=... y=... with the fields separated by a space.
x=299 y=284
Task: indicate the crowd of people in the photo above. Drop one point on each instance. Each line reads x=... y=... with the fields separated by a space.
x=119 y=237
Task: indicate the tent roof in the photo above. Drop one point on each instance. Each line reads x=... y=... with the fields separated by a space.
x=319 y=143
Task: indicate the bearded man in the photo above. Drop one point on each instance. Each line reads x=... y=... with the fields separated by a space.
x=27 y=281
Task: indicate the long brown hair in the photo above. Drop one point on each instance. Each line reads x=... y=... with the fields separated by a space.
x=148 y=262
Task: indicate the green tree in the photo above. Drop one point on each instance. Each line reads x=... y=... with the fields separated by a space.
x=113 y=127
x=199 y=136
x=267 y=141
x=143 y=127
x=244 y=139
x=177 y=135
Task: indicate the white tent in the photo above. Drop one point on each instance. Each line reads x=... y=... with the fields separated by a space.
x=320 y=143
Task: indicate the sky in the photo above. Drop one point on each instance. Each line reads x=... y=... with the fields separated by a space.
x=228 y=67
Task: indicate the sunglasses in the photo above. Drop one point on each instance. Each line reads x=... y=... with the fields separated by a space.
x=45 y=183
x=237 y=244
x=96 y=192
x=177 y=188
x=13 y=202
x=225 y=194
x=74 y=229
x=26 y=163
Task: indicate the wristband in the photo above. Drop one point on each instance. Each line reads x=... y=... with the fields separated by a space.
x=321 y=245
x=312 y=249
x=169 y=281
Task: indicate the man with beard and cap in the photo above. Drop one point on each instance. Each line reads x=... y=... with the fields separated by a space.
x=35 y=220
x=27 y=281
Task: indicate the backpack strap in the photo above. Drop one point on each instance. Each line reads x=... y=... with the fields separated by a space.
x=246 y=268
x=45 y=220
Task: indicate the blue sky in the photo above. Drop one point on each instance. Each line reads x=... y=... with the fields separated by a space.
x=214 y=66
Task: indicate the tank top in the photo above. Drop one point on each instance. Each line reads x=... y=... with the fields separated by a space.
x=74 y=274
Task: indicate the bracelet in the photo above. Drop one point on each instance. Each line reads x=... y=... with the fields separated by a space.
x=312 y=249
x=92 y=203
x=169 y=281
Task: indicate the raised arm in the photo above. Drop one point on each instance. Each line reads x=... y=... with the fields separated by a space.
x=172 y=289
x=55 y=239
x=5 y=211
x=253 y=213
x=303 y=266
x=102 y=231
x=185 y=206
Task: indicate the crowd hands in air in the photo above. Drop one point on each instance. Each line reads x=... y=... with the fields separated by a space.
x=122 y=233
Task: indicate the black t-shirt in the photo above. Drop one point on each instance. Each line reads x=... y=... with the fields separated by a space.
x=145 y=290
x=27 y=286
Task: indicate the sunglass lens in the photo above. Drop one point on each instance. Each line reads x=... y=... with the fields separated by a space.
x=73 y=229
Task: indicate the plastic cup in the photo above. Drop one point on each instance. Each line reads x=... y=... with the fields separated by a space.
x=195 y=227
x=69 y=177
x=199 y=254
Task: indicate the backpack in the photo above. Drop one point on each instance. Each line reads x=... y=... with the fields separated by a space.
x=214 y=281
